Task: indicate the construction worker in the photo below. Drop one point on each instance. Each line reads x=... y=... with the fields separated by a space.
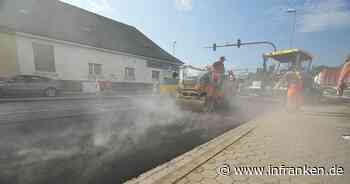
x=218 y=75
x=295 y=90
x=214 y=87
x=344 y=74
x=219 y=66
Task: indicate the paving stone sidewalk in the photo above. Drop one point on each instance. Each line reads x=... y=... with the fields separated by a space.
x=313 y=137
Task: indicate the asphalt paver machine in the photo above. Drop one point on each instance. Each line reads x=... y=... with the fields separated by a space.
x=282 y=62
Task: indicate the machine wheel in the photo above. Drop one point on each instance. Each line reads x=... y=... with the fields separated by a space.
x=50 y=92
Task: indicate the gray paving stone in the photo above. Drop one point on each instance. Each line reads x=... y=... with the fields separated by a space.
x=195 y=177
x=224 y=179
x=209 y=173
x=208 y=181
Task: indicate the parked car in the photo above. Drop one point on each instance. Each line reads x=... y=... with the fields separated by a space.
x=29 y=85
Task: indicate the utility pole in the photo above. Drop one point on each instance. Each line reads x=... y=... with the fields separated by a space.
x=294 y=12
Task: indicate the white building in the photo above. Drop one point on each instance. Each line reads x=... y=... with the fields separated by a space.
x=51 y=38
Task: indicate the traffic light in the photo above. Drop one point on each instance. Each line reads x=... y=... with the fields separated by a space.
x=214 y=47
x=239 y=43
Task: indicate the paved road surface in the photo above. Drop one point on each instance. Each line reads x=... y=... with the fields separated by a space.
x=36 y=110
x=103 y=140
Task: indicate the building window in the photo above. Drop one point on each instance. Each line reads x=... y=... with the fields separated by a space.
x=129 y=73
x=95 y=69
x=44 y=59
x=155 y=75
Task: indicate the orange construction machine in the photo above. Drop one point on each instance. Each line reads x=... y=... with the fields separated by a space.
x=206 y=89
x=330 y=78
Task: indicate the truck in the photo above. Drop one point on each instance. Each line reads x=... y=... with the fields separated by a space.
x=326 y=80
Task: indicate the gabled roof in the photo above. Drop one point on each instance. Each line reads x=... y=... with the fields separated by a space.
x=61 y=21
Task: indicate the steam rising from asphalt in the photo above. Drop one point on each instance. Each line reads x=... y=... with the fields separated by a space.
x=98 y=141
x=148 y=113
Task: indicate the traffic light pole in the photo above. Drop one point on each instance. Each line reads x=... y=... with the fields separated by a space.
x=239 y=44
x=263 y=42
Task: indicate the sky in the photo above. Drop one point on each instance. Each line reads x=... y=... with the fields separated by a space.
x=322 y=27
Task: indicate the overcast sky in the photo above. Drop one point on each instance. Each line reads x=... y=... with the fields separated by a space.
x=322 y=26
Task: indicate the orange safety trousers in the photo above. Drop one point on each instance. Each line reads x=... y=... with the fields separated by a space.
x=295 y=95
